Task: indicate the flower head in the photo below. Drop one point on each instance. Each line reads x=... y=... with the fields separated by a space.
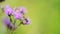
x=23 y=10
x=8 y=10
x=6 y=21
x=17 y=14
x=9 y=24
x=26 y=21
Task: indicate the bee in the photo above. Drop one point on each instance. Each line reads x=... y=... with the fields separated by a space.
x=2 y=0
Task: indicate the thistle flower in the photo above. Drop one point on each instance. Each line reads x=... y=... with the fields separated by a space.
x=9 y=24
x=26 y=21
x=17 y=14
x=23 y=10
x=6 y=21
x=8 y=10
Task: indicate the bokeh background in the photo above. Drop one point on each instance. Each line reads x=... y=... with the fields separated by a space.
x=44 y=15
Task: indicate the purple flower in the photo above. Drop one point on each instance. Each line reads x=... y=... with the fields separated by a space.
x=8 y=10
x=23 y=10
x=17 y=14
x=26 y=21
x=9 y=24
x=7 y=21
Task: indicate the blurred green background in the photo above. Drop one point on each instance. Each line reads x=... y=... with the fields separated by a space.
x=44 y=15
